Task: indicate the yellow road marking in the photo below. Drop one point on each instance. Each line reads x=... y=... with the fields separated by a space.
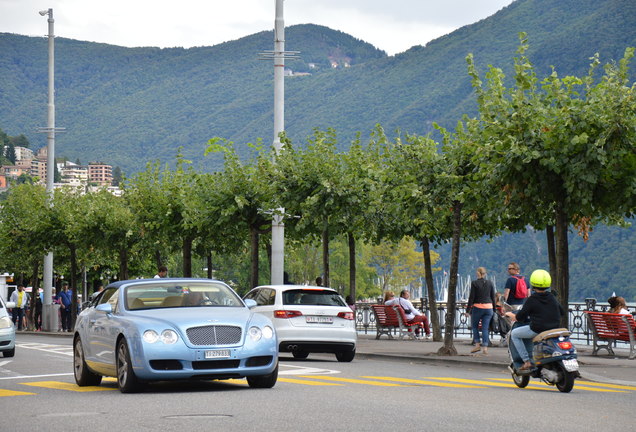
x=350 y=380
x=315 y=383
x=66 y=386
x=489 y=383
x=14 y=393
x=583 y=386
x=614 y=386
x=424 y=382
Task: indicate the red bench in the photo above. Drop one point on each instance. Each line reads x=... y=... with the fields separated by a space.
x=405 y=328
x=383 y=324
x=608 y=328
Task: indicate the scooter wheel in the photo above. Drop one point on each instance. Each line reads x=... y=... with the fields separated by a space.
x=520 y=380
x=566 y=382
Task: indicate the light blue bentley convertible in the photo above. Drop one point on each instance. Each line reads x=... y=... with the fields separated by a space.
x=167 y=329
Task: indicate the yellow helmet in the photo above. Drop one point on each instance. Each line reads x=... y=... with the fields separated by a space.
x=540 y=279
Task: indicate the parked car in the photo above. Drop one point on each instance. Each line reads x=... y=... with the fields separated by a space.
x=166 y=329
x=308 y=319
x=7 y=329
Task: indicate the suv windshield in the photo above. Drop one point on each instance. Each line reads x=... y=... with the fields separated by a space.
x=312 y=297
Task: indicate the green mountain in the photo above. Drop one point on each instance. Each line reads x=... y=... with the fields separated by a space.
x=127 y=106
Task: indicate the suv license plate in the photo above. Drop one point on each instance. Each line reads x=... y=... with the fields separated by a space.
x=217 y=354
x=571 y=365
x=319 y=319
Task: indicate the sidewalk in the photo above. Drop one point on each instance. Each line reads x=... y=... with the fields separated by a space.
x=601 y=368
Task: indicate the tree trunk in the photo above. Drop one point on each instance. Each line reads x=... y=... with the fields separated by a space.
x=187 y=256
x=352 y=266
x=209 y=260
x=158 y=259
x=123 y=263
x=254 y=257
x=549 y=232
x=430 y=289
x=73 y=283
x=325 y=257
x=35 y=291
x=449 y=348
x=562 y=257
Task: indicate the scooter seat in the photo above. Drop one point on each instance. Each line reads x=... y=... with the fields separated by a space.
x=551 y=334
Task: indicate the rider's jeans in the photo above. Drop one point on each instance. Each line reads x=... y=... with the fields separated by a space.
x=517 y=335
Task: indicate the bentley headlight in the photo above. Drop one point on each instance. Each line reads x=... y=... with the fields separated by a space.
x=255 y=334
x=169 y=337
x=5 y=322
x=268 y=332
x=151 y=336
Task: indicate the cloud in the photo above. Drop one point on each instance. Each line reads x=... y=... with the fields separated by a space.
x=391 y=25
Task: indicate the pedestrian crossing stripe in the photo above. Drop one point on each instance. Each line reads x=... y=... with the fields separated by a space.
x=424 y=382
x=14 y=393
x=353 y=381
x=67 y=386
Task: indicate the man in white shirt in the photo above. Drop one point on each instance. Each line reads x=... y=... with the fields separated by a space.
x=21 y=299
x=412 y=314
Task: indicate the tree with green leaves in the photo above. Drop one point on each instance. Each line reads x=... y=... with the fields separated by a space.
x=308 y=183
x=561 y=150
x=243 y=195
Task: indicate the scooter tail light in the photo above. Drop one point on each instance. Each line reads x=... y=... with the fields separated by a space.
x=287 y=313
x=565 y=345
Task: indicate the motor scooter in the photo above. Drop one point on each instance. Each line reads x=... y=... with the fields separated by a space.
x=554 y=359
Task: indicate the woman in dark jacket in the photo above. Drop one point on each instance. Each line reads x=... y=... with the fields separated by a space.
x=481 y=302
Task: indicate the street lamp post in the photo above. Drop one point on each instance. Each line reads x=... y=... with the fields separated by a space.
x=278 y=55
x=49 y=315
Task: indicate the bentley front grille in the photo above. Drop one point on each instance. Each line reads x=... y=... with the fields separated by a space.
x=214 y=335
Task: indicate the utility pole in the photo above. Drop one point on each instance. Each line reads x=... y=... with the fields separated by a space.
x=49 y=314
x=278 y=55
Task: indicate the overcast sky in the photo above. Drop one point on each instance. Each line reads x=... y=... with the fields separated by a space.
x=391 y=25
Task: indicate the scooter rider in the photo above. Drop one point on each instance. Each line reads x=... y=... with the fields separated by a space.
x=543 y=310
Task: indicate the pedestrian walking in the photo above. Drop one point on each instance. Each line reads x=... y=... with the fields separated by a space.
x=66 y=303
x=512 y=294
x=481 y=304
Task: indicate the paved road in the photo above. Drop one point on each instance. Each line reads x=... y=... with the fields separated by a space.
x=389 y=379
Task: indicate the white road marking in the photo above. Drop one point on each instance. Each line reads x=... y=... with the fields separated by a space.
x=35 y=376
x=304 y=370
x=57 y=349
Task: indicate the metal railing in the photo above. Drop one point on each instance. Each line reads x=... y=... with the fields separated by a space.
x=577 y=322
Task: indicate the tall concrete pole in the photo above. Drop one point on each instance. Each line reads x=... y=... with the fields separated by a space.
x=278 y=227
x=49 y=315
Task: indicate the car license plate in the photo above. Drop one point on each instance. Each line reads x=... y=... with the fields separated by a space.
x=571 y=365
x=319 y=319
x=217 y=354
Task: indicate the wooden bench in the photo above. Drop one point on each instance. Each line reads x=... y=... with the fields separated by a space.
x=609 y=327
x=384 y=325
